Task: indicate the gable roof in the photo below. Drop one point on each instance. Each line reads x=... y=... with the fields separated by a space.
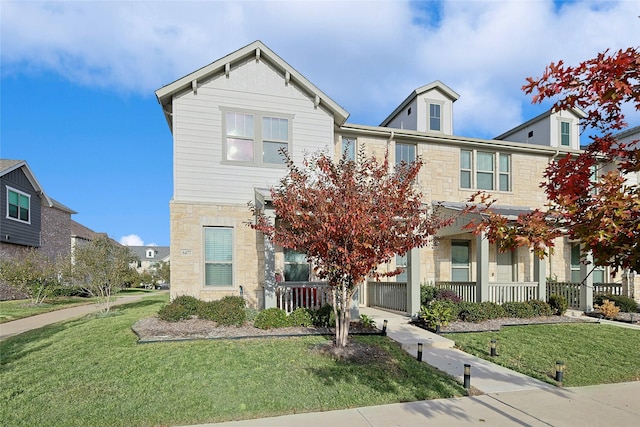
x=260 y=51
x=161 y=252
x=438 y=85
x=575 y=111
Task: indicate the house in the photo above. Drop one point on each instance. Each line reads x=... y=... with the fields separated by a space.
x=230 y=118
x=29 y=218
x=149 y=256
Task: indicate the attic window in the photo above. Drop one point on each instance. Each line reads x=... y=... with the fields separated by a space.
x=409 y=111
x=530 y=135
x=150 y=253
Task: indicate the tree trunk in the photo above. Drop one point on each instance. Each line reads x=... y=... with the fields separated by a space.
x=343 y=316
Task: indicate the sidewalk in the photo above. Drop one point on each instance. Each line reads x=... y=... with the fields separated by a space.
x=28 y=323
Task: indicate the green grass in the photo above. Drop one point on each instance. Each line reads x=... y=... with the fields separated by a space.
x=593 y=353
x=90 y=371
x=18 y=309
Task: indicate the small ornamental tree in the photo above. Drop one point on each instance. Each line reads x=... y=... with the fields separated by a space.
x=32 y=273
x=102 y=268
x=600 y=210
x=348 y=217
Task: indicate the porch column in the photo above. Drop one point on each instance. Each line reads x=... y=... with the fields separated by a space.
x=482 y=268
x=539 y=275
x=413 y=281
x=269 y=274
x=586 y=283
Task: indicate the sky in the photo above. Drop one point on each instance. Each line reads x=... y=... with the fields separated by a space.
x=78 y=78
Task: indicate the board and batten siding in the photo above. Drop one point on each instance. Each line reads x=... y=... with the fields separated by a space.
x=200 y=175
x=16 y=232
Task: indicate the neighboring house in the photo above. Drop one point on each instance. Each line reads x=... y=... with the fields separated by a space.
x=149 y=256
x=230 y=118
x=29 y=218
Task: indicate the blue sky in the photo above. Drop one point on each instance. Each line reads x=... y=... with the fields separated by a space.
x=78 y=78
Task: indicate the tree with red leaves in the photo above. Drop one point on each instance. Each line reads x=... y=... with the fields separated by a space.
x=348 y=218
x=589 y=199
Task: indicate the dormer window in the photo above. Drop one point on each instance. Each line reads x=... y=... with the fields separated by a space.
x=151 y=253
x=435 y=117
x=565 y=134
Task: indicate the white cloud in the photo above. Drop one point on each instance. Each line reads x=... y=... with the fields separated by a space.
x=368 y=56
x=131 y=240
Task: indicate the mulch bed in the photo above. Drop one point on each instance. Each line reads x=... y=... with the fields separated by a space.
x=496 y=324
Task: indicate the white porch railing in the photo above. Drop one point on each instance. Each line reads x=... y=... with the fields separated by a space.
x=571 y=291
x=293 y=295
x=388 y=295
x=513 y=292
x=465 y=290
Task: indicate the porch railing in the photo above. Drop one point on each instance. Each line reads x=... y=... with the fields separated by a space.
x=293 y=295
x=387 y=295
x=513 y=292
x=607 y=289
x=571 y=291
x=465 y=290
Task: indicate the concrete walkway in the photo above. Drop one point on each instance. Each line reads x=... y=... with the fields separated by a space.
x=28 y=323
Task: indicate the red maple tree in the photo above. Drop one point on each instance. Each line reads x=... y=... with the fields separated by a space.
x=589 y=198
x=348 y=218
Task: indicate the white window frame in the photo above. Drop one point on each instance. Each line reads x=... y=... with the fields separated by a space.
x=496 y=173
x=461 y=267
x=258 y=137
x=29 y=210
x=286 y=263
x=440 y=106
x=415 y=152
x=569 y=135
x=218 y=262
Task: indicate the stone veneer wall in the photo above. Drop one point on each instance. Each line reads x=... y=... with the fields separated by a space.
x=188 y=220
x=55 y=235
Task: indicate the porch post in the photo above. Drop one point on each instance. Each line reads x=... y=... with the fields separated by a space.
x=539 y=275
x=482 y=268
x=413 y=281
x=586 y=288
x=269 y=274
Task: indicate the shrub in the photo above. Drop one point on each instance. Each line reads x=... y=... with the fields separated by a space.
x=251 y=313
x=323 y=317
x=188 y=302
x=437 y=313
x=174 y=312
x=608 y=309
x=300 y=317
x=540 y=308
x=479 y=311
x=427 y=293
x=208 y=310
x=271 y=318
x=230 y=311
x=626 y=304
x=367 y=321
x=558 y=304
x=447 y=295
x=521 y=310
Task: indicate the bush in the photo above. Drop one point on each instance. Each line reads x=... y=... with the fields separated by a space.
x=188 y=302
x=228 y=311
x=447 y=295
x=427 y=294
x=626 y=304
x=174 y=312
x=251 y=313
x=520 y=310
x=540 y=308
x=608 y=309
x=323 y=317
x=271 y=318
x=558 y=304
x=300 y=317
x=437 y=313
x=479 y=311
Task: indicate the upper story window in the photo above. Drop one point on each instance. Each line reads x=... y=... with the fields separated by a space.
x=405 y=153
x=218 y=256
x=150 y=253
x=565 y=134
x=257 y=138
x=18 y=205
x=489 y=171
x=349 y=148
x=435 y=117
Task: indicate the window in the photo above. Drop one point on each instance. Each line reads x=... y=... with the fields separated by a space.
x=460 y=261
x=150 y=253
x=575 y=263
x=18 y=205
x=405 y=153
x=349 y=147
x=565 y=133
x=296 y=266
x=218 y=256
x=256 y=138
x=434 y=117
x=483 y=174
x=401 y=262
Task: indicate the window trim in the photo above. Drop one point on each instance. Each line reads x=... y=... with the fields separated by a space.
x=439 y=103
x=562 y=121
x=497 y=172
x=205 y=262
x=19 y=193
x=258 y=136
x=285 y=263
x=395 y=153
x=467 y=244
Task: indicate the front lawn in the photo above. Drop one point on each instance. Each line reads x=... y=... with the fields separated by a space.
x=90 y=371
x=593 y=353
x=18 y=309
